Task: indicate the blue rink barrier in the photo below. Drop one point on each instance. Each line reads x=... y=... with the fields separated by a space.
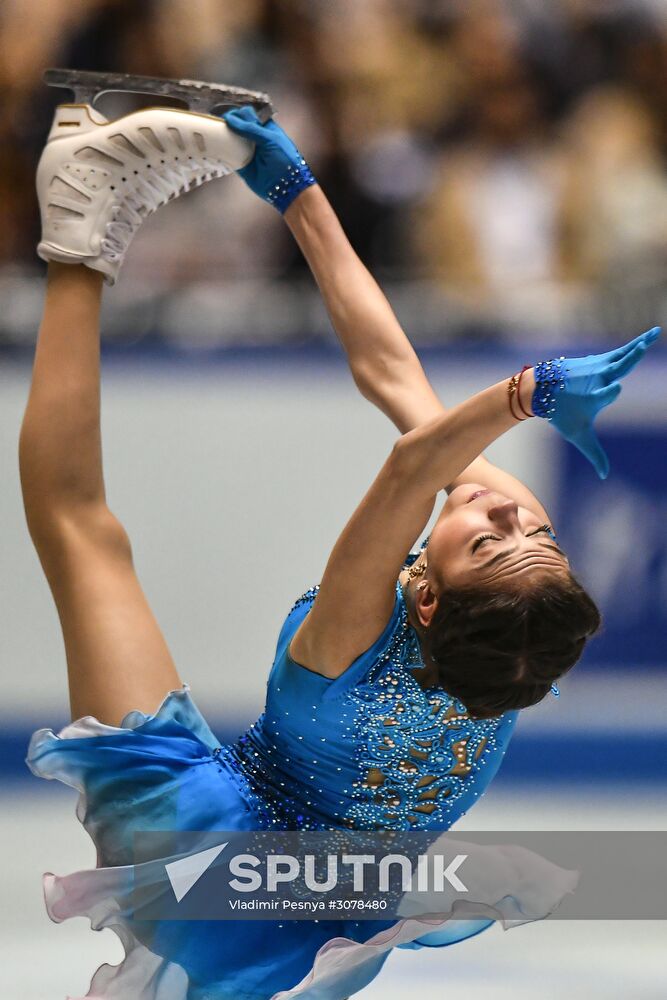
x=616 y=532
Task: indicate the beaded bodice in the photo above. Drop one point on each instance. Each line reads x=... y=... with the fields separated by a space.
x=370 y=749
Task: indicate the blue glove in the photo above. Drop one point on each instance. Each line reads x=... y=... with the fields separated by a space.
x=277 y=171
x=570 y=392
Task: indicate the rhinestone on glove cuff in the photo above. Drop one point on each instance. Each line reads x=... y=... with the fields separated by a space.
x=298 y=177
x=549 y=377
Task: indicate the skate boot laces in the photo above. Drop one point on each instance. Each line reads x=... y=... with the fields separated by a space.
x=163 y=184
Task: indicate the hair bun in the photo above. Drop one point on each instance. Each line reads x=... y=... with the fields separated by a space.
x=498 y=650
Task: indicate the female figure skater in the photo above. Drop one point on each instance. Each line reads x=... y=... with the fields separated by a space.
x=396 y=683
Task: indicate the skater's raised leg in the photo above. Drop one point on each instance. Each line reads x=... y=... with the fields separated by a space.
x=96 y=182
x=117 y=658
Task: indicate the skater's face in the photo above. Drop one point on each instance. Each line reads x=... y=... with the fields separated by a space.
x=483 y=537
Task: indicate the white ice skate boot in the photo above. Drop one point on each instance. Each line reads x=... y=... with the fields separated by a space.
x=97 y=180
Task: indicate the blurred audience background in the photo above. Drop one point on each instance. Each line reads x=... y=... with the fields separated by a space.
x=500 y=165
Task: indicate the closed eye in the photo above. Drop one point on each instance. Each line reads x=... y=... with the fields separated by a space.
x=544 y=528
x=482 y=538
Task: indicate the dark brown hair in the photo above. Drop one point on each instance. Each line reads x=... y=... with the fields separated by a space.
x=500 y=649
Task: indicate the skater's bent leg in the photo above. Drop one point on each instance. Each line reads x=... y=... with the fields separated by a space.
x=117 y=658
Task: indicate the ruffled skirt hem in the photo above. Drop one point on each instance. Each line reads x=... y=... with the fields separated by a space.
x=160 y=755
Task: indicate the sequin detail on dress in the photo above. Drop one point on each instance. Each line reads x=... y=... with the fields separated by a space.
x=272 y=793
x=306 y=598
x=370 y=749
x=417 y=748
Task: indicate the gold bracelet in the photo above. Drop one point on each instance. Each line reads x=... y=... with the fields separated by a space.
x=511 y=391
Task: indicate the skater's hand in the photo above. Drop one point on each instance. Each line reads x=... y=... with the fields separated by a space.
x=277 y=171
x=570 y=392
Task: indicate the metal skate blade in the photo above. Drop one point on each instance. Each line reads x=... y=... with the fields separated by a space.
x=204 y=97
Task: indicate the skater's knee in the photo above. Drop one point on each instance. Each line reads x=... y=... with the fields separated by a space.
x=59 y=533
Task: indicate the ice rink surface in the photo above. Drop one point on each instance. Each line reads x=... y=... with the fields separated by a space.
x=547 y=960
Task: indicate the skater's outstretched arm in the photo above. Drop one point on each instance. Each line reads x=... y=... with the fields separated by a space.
x=438 y=448
x=383 y=363
x=382 y=360
x=482 y=539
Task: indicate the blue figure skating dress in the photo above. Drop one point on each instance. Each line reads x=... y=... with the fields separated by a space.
x=368 y=750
